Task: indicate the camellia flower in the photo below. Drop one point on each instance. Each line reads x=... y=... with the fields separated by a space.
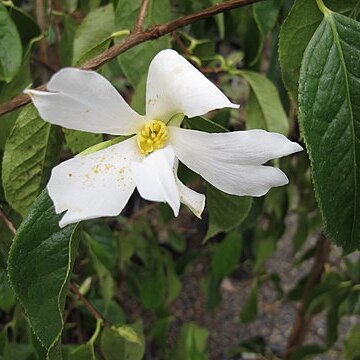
x=100 y=183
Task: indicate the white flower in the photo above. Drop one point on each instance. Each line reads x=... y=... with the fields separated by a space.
x=100 y=183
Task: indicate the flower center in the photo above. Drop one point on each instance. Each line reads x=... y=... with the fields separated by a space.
x=152 y=136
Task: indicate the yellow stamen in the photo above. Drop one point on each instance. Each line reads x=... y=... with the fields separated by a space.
x=152 y=136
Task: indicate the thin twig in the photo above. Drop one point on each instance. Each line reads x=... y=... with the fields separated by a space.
x=303 y=320
x=134 y=39
x=83 y=299
x=7 y=222
x=141 y=18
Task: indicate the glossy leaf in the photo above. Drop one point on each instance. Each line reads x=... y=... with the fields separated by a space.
x=264 y=109
x=30 y=151
x=40 y=264
x=330 y=119
x=10 y=47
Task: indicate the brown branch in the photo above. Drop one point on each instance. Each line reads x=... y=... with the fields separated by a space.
x=303 y=320
x=7 y=222
x=141 y=18
x=134 y=39
x=87 y=304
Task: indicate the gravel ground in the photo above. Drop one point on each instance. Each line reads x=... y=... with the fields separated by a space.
x=275 y=318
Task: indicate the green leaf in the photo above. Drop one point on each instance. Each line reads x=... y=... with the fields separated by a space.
x=27 y=27
x=152 y=286
x=15 y=351
x=21 y=80
x=107 y=283
x=128 y=333
x=295 y=34
x=78 y=141
x=104 y=244
x=69 y=5
x=83 y=352
x=329 y=118
x=264 y=246
x=126 y=341
x=7 y=296
x=264 y=109
x=308 y=351
x=40 y=264
x=30 y=151
x=86 y=351
x=10 y=47
x=250 y=309
x=67 y=41
x=96 y=28
x=6 y=124
x=191 y=344
x=351 y=344
x=220 y=21
x=202 y=124
x=265 y=15
x=135 y=62
x=225 y=211
x=227 y=254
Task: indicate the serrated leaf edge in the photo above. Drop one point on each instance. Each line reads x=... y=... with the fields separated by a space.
x=59 y=296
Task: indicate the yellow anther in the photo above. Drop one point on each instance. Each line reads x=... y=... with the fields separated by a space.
x=152 y=136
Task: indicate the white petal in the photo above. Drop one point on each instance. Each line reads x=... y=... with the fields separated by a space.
x=94 y=185
x=192 y=199
x=155 y=180
x=85 y=100
x=232 y=161
x=175 y=86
